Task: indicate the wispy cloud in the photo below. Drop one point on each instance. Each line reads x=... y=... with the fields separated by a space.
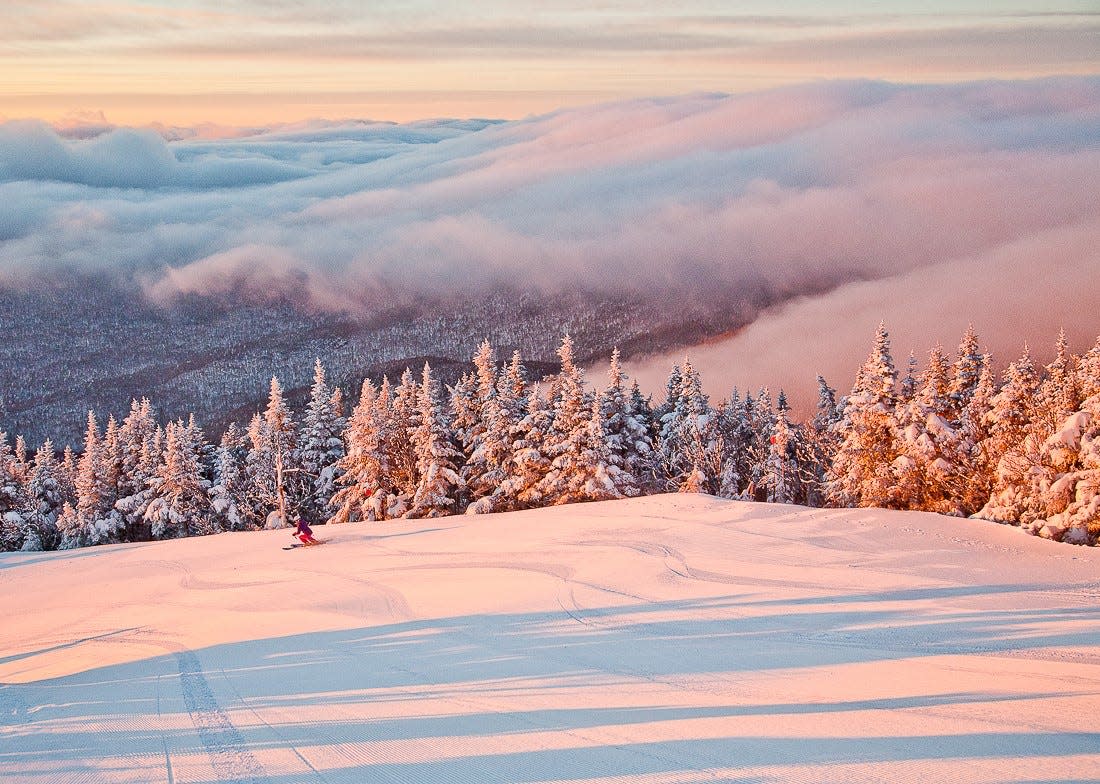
x=60 y=55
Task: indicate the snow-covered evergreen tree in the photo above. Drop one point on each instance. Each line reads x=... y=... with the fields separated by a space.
x=929 y=468
x=966 y=373
x=227 y=496
x=909 y=385
x=272 y=464
x=672 y=392
x=466 y=412
x=90 y=494
x=66 y=474
x=498 y=488
x=1088 y=372
x=733 y=431
x=260 y=493
x=13 y=498
x=819 y=444
x=396 y=419
x=1057 y=396
x=139 y=457
x=178 y=501
x=320 y=448
x=861 y=473
x=647 y=465
x=22 y=464
x=437 y=456
x=279 y=422
x=761 y=418
x=99 y=523
x=689 y=439
x=482 y=432
x=362 y=479
x=71 y=528
x=781 y=481
x=44 y=499
x=1011 y=447
x=110 y=461
x=404 y=419
x=530 y=462
x=565 y=441
x=625 y=435
x=974 y=429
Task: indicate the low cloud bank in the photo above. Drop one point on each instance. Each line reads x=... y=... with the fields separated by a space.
x=896 y=199
x=1016 y=294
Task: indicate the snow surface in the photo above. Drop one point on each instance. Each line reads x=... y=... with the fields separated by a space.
x=676 y=638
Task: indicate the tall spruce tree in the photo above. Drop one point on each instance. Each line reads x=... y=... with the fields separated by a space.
x=404 y=420
x=13 y=498
x=178 y=502
x=966 y=373
x=480 y=436
x=438 y=459
x=820 y=443
x=362 y=479
x=227 y=491
x=564 y=443
x=974 y=428
x=273 y=480
x=1058 y=395
x=1011 y=448
x=931 y=453
x=688 y=437
x=320 y=448
x=44 y=498
x=1088 y=372
x=97 y=522
x=781 y=481
x=502 y=482
x=138 y=463
x=626 y=436
x=861 y=473
x=530 y=462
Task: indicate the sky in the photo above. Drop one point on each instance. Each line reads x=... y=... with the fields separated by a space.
x=242 y=62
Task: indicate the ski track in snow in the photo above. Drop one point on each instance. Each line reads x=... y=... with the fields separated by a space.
x=656 y=641
x=231 y=759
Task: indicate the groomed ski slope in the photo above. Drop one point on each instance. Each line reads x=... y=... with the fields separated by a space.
x=676 y=638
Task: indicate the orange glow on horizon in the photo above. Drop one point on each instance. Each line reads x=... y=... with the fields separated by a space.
x=183 y=64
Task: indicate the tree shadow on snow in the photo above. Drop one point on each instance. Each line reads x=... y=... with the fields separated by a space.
x=217 y=695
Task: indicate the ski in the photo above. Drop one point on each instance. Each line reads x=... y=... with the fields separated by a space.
x=302 y=544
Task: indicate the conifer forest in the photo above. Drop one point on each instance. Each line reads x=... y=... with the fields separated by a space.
x=946 y=435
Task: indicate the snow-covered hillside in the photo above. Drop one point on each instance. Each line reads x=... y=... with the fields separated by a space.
x=676 y=638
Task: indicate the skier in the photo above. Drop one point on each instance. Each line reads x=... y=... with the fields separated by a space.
x=304 y=532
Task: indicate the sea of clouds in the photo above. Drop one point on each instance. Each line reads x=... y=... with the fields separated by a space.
x=837 y=204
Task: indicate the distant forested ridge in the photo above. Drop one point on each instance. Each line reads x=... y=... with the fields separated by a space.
x=82 y=343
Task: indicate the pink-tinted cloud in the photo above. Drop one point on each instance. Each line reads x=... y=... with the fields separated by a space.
x=1020 y=292
x=709 y=208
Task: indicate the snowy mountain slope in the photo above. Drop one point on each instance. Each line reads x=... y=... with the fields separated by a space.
x=675 y=638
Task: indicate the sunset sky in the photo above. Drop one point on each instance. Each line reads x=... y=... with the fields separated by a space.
x=255 y=61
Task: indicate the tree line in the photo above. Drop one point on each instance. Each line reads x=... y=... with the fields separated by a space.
x=950 y=438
